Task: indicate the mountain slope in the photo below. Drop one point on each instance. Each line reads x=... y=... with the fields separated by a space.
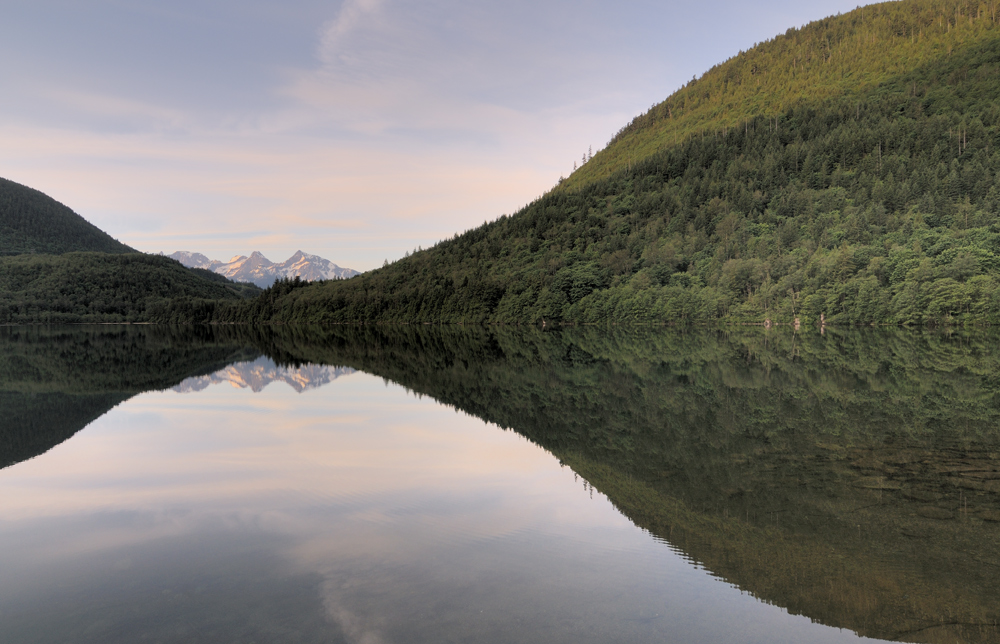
x=100 y=287
x=311 y=268
x=857 y=183
x=839 y=58
x=32 y=222
x=56 y=267
x=193 y=260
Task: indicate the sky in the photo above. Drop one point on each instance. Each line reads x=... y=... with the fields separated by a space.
x=356 y=130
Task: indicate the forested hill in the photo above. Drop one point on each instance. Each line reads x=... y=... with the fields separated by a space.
x=842 y=58
x=848 y=168
x=56 y=267
x=103 y=287
x=32 y=222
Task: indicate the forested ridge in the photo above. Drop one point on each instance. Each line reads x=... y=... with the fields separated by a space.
x=102 y=287
x=56 y=267
x=844 y=56
x=847 y=169
x=32 y=222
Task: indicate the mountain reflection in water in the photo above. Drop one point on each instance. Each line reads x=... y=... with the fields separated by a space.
x=263 y=371
x=853 y=478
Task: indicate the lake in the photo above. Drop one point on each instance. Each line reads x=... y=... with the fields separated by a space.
x=445 y=484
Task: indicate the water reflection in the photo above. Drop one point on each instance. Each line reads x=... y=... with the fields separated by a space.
x=261 y=372
x=55 y=380
x=849 y=478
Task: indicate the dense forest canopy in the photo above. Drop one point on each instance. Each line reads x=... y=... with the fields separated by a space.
x=102 y=287
x=32 y=222
x=846 y=170
x=841 y=57
x=56 y=267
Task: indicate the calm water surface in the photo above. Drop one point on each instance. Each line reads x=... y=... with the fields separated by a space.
x=183 y=487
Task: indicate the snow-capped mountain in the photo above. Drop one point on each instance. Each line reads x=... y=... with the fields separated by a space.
x=193 y=260
x=261 y=271
x=263 y=371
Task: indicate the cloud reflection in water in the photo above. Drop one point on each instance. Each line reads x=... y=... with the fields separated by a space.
x=356 y=512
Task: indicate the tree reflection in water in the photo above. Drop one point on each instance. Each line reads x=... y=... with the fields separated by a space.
x=851 y=477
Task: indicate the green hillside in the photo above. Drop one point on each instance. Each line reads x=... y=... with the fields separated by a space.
x=32 y=222
x=56 y=267
x=100 y=287
x=847 y=169
x=854 y=57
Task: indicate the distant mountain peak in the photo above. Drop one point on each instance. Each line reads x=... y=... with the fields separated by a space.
x=192 y=260
x=261 y=271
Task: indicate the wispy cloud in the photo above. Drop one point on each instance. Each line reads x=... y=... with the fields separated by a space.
x=334 y=46
x=320 y=129
x=110 y=106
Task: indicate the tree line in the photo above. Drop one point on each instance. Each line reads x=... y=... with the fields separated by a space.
x=875 y=211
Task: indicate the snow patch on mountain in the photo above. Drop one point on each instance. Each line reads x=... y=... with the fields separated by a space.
x=263 y=272
x=192 y=260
